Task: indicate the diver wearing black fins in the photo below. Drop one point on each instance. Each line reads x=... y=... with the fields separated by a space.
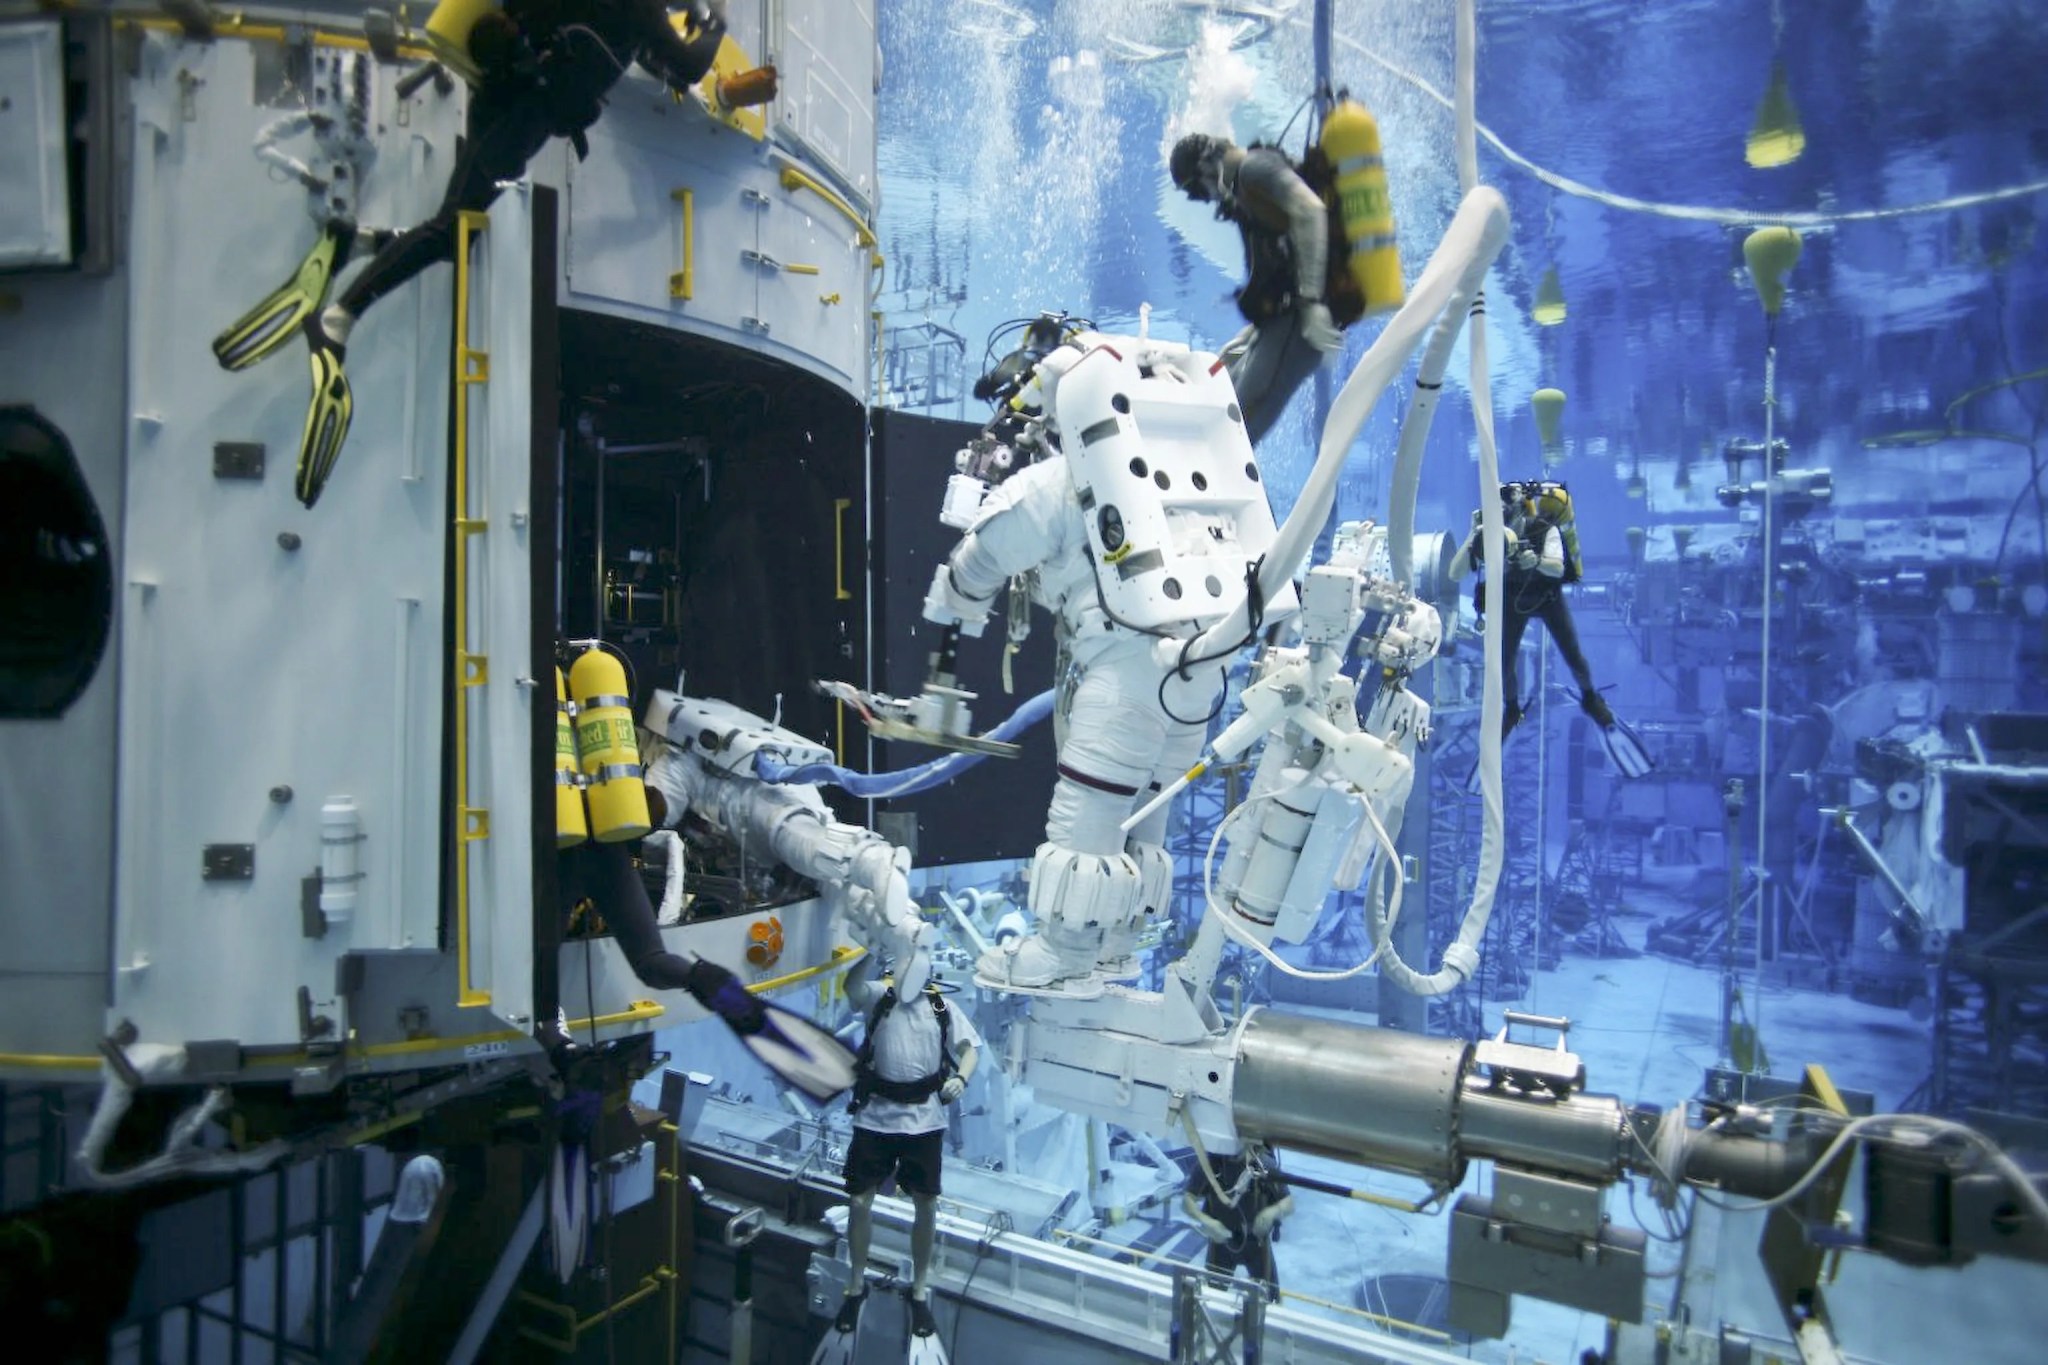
x=1542 y=557
x=336 y=116
x=599 y=883
x=541 y=70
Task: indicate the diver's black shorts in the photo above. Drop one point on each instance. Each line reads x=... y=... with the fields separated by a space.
x=913 y=1158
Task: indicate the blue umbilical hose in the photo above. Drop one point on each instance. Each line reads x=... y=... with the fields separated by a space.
x=908 y=781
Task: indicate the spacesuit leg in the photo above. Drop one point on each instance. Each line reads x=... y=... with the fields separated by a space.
x=1084 y=884
x=1147 y=847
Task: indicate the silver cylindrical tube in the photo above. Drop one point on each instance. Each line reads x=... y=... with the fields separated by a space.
x=1375 y=1096
x=1579 y=1135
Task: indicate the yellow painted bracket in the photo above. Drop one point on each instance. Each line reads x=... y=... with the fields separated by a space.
x=731 y=60
x=472 y=823
x=794 y=179
x=683 y=283
x=840 y=593
x=1795 y=1268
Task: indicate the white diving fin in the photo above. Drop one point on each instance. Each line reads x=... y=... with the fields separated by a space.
x=925 y=1347
x=842 y=1339
x=1625 y=750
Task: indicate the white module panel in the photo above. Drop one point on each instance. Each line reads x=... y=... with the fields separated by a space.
x=678 y=221
x=825 y=51
x=1175 y=507
x=275 y=662
x=35 y=212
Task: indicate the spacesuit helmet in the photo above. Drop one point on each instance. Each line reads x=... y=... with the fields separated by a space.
x=1196 y=163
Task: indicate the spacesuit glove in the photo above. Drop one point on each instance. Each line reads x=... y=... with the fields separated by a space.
x=946 y=605
x=1318 y=330
x=952 y=1090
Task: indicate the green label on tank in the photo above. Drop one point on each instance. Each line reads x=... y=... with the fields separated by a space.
x=1366 y=201
x=565 y=742
x=601 y=734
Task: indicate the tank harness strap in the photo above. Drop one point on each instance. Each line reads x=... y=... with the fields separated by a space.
x=867 y=1083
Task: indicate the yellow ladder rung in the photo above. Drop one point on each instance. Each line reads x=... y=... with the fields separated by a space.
x=476 y=823
x=476 y=668
x=472 y=526
x=476 y=366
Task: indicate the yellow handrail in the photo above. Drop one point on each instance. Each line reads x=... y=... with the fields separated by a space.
x=792 y=179
x=649 y=1284
x=471 y=367
x=638 y=1012
x=43 y=1061
x=233 y=25
x=683 y=283
x=842 y=956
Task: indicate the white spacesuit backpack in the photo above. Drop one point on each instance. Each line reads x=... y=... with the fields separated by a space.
x=1169 y=488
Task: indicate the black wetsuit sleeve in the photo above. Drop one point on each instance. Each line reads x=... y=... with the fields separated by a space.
x=665 y=53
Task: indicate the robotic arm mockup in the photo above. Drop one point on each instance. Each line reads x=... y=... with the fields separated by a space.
x=710 y=771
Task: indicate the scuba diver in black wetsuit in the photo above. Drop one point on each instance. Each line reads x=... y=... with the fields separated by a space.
x=599 y=887
x=1239 y=1211
x=1542 y=558
x=542 y=69
x=1285 y=226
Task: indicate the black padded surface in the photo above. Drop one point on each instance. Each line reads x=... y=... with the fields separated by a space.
x=997 y=809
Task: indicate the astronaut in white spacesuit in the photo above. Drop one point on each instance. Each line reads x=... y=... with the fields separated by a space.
x=1133 y=710
x=1124 y=726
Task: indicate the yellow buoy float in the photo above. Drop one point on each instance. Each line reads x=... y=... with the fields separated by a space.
x=1771 y=253
x=1549 y=408
x=1549 y=308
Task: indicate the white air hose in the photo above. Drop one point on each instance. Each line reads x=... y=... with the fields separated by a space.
x=181 y=1156
x=1461 y=957
x=1476 y=235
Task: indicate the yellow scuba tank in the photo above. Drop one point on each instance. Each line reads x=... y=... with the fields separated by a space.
x=1553 y=503
x=1351 y=142
x=571 y=828
x=448 y=29
x=609 y=751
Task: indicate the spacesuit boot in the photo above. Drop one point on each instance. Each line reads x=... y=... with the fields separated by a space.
x=1120 y=942
x=1077 y=898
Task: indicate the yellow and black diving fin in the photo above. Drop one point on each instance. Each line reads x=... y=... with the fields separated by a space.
x=273 y=322
x=327 y=418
